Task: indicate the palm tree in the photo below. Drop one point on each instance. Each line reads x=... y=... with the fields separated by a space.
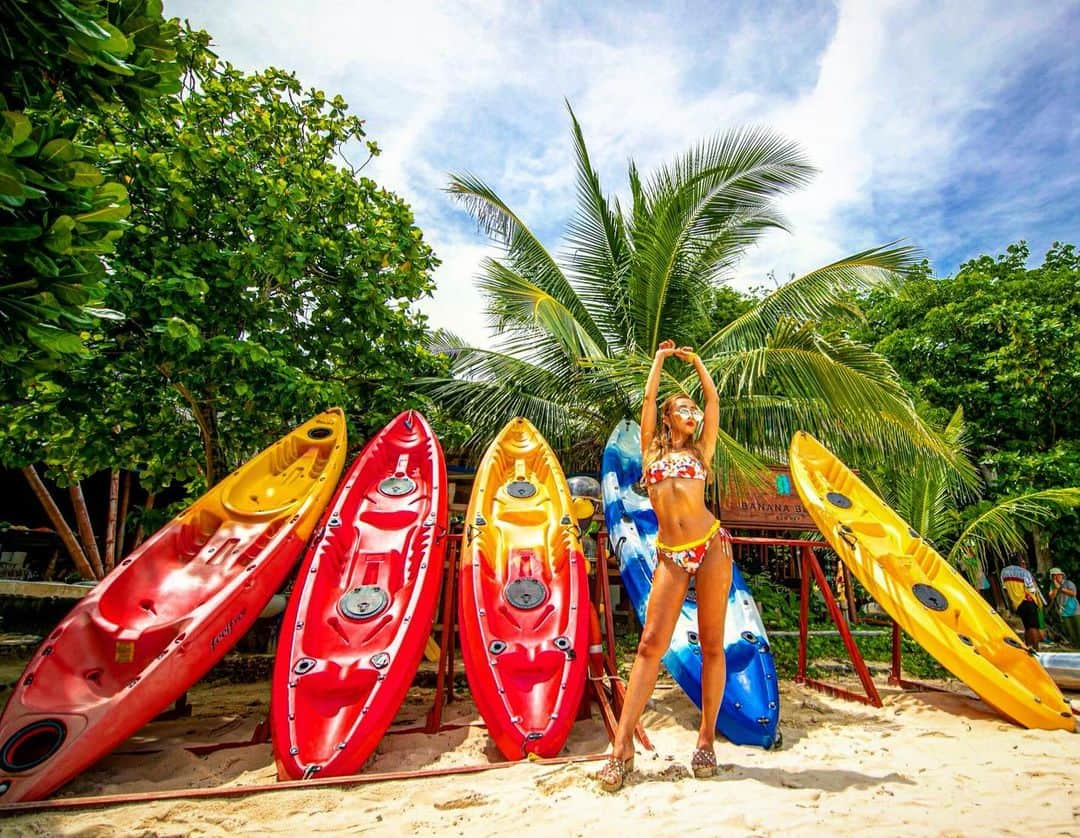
x=578 y=333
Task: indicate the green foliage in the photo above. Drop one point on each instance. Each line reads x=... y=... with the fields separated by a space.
x=262 y=279
x=61 y=61
x=578 y=332
x=999 y=341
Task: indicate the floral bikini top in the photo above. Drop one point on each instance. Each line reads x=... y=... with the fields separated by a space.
x=674 y=464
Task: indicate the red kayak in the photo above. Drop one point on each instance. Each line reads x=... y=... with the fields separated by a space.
x=167 y=613
x=524 y=608
x=362 y=611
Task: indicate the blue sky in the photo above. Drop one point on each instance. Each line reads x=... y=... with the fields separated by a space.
x=952 y=125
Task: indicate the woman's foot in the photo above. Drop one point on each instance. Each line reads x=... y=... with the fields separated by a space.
x=615 y=771
x=703 y=763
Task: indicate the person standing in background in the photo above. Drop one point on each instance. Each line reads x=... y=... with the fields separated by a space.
x=1025 y=599
x=1063 y=603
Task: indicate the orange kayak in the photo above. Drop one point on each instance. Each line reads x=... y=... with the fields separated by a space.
x=524 y=606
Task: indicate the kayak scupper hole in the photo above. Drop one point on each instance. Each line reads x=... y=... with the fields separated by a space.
x=749 y=637
x=304 y=665
x=32 y=745
x=838 y=500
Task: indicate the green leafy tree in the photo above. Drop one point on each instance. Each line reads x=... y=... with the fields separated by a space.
x=999 y=341
x=263 y=279
x=578 y=333
x=61 y=60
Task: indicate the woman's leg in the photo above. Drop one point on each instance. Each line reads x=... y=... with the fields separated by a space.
x=662 y=612
x=713 y=586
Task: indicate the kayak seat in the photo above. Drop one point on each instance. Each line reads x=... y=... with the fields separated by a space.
x=523 y=516
x=524 y=667
x=271 y=491
x=334 y=686
x=388 y=520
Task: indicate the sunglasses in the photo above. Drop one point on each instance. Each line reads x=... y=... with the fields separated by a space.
x=689 y=413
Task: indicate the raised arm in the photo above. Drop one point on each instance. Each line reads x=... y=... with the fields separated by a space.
x=652 y=387
x=710 y=423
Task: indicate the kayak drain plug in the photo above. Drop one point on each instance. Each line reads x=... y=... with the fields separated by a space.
x=364 y=602
x=526 y=593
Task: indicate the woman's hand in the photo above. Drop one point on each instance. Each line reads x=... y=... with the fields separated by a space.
x=685 y=353
x=666 y=349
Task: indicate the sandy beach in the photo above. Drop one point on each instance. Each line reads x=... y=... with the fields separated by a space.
x=927 y=763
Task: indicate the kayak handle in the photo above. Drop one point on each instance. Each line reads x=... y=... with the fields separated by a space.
x=847 y=536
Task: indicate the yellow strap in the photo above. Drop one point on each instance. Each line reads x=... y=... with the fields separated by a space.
x=713 y=530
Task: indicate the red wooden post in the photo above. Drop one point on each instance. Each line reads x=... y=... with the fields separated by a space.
x=804 y=612
x=434 y=719
x=895 y=676
x=845 y=632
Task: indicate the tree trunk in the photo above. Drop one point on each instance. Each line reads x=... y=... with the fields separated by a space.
x=109 y=559
x=86 y=530
x=62 y=528
x=139 y=530
x=1041 y=542
x=205 y=431
x=121 y=524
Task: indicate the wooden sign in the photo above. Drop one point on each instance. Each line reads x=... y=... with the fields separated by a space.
x=778 y=509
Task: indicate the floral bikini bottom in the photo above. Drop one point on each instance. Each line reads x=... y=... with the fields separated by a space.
x=690 y=556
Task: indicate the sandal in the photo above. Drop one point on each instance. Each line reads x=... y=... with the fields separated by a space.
x=703 y=763
x=614 y=773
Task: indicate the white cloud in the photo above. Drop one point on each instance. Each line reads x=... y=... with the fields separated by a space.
x=455 y=305
x=880 y=94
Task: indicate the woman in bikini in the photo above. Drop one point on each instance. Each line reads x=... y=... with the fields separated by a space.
x=690 y=543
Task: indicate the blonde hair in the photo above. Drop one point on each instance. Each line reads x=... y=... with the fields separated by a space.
x=661 y=441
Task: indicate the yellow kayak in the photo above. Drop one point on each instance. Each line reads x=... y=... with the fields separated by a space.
x=930 y=600
x=524 y=607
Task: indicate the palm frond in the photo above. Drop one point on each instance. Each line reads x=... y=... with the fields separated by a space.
x=818 y=295
x=999 y=531
x=598 y=249
x=516 y=302
x=528 y=256
x=722 y=185
x=491 y=388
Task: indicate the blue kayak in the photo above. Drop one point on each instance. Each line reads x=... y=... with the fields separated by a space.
x=750 y=711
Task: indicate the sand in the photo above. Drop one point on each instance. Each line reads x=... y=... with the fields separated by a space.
x=927 y=763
